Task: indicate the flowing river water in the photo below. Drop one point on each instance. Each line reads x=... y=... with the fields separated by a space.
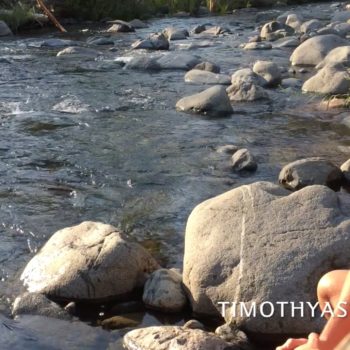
x=89 y=140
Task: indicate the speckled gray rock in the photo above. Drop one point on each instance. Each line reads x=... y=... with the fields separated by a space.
x=310 y=171
x=174 y=338
x=269 y=71
x=90 y=261
x=4 y=29
x=208 y=66
x=172 y=34
x=37 y=304
x=197 y=76
x=340 y=54
x=246 y=92
x=213 y=102
x=345 y=168
x=153 y=42
x=243 y=160
x=260 y=242
x=246 y=75
x=312 y=51
x=163 y=291
x=330 y=80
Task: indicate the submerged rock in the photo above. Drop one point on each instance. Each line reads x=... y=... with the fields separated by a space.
x=197 y=76
x=163 y=291
x=308 y=172
x=174 y=337
x=90 y=261
x=77 y=51
x=259 y=243
x=243 y=160
x=312 y=51
x=330 y=80
x=38 y=304
x=213 y=101
x=57 y=43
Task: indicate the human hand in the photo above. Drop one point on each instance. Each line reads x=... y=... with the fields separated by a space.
x=292 y=344
x=312 y=343
x=301 y=344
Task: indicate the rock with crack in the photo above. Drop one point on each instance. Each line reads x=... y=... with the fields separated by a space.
x=310 y=171
x=212 y=102
x=259 y=243
x=91 y=261
x=174 y=338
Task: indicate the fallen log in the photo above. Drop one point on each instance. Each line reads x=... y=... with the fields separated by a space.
x=50 y=15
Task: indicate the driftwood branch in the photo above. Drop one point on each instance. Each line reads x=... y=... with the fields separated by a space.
x=51 y=17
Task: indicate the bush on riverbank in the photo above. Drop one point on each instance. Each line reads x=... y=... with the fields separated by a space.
x=17 y=15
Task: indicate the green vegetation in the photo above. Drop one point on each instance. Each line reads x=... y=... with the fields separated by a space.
x=17 y=15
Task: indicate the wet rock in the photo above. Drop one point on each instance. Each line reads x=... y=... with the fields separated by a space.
x=231 y=334
x=163 y=291
x=197 y=76
x=76 y=51
x=242 y=244
x=283 y=17
x=194 y=324
x=178 y=61
x=341 y=16
x=154 y=42
x=330 y=80
x=272 y=27
x=308 y=172
x=119 y=322
x=213 y=101
x=246 y=92
x=90 y=261
x=255 y=39
x=269 y=71
x=138 y=24
x=38 y=304
x=311 y=26
x=326 y=31
x=343 y=29
x=71 y=105
x=345 y=168
x=174 y=337
x=100 y=41
x=198 y=29
x=71 y=308
x=208 y=66
x=176 y=34
x=121 y=27
x=246 y=75
x=312 y=51
x=291 y=83
x=147 y=63
x=57 y=43
x=228 y=149
x=340 y=55
x=215 y=31
x=243 y=160
x=258 y=46
x=286 y=42
x=4 y=29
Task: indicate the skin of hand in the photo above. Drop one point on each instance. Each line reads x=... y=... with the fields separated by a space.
x=292 y=344
x=301 y=343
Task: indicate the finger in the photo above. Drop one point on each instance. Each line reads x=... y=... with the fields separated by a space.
x=313 y=339
x=291 y=344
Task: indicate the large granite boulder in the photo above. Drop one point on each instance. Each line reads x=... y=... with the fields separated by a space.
x=340 y=54
x=174 y=338
x=310 y=171
x=213 y=102
x=259 y=243
x=312 y=51
x=90 y=261
x=330 y=80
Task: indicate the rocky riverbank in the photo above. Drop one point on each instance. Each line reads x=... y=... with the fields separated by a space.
x=260 y=241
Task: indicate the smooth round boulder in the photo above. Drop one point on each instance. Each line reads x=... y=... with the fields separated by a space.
x=294 y=21
x=310 y=26
x=308 y=172
x=163 y=291
x=330 y=80
x=173 y=338
x=178 y=61
x=246 y=75
x=246 y=92
x=269 y=71
x=340 y=54
x=91 y=261
x=196 y=76
x=312 y=51
x=260 y=243
x=212 y=102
